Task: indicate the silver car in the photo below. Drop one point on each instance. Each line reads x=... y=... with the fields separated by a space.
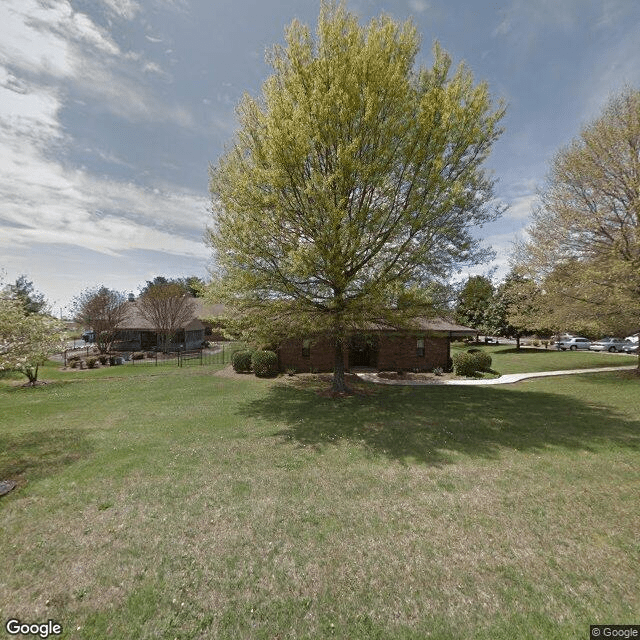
x=613 y=345
x=573 y=343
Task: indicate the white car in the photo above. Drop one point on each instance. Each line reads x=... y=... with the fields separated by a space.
x=612 y=345
x=573 y=343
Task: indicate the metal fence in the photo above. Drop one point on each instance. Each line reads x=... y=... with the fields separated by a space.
x=217 y=353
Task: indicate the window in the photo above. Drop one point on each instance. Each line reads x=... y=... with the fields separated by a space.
x=420 y=347
x=306 y=348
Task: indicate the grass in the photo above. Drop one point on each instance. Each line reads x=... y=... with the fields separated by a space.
x=508 y=359
x=168 y=503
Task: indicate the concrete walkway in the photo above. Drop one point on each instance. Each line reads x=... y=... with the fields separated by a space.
x=508 y=378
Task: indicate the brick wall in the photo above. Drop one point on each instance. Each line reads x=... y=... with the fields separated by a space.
x=395 y=351
x=320 y=358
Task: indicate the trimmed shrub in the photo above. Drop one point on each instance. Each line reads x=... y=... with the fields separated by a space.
x=483 y=361
x=103 y=359
x=265 y=364
x=464 y=364
x=137 y=355
x=92 y=363
x=467 y=364
x=241 y=361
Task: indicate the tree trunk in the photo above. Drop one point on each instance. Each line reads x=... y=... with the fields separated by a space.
x=518 y=341
x=339 y=385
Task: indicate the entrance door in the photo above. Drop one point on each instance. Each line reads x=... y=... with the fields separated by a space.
x=363 y=351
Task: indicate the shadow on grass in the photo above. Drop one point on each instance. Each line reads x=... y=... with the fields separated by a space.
x=38 y=454
x=428 y=425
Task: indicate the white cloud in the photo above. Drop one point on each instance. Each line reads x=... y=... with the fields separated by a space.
x=126 y=9
x=419 y=6
x=55 y=43
x=45 y=202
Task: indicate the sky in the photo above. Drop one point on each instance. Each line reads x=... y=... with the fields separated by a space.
x=111 y=112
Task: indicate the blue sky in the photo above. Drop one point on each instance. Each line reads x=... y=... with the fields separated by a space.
x=112 y=110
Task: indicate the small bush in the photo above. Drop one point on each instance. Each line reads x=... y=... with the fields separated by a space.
x=73 y=358
x=92 y=363
x=74 y=364
x=467 y=364
x=137 y=355
x=265 y=363
x=103 y=359
x=483 y=361
x=241 y=361
x=438 y=371
x=464 y=364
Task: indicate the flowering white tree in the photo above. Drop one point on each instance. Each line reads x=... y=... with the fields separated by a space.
x=26 y=339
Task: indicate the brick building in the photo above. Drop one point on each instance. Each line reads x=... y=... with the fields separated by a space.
x=422 y=349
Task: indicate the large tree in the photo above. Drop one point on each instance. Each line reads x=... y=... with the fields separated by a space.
x=474 y=298
x=23 y=290
x=168 y=308
x=353 y=183
x=26 y=339
x=584 y=243
x=518 y=307
x=104 y=311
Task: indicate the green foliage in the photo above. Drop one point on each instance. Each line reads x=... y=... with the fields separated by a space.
x=464 y=364
x=264 y=363
x=241 y=361
x=353 y=184
x=474 y=300
x=483 y=361
x=24 y=291
x=26 y=339
x=584 y=243
x=469 y=363
x=92 y=362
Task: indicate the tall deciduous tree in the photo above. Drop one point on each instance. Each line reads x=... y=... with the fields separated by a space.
x=517 y=308
x=104 y=311
x=23 y=290
x=353 y=183
x=474 y=298
x=585 y=238
x=26 y=339
x=167 y=307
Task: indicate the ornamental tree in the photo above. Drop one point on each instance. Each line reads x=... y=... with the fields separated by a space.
x=26 y=339
x=168 y=307
x=353 y=183
x=104 y=311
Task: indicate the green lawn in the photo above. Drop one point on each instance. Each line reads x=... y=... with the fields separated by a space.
x=173 y=503
x=507 y=359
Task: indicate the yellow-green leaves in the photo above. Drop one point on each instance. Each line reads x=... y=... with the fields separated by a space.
x=355 y=178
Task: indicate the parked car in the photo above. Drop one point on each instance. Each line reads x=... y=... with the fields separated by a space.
x=630 y=347
x=613 y=345
x=573 y=343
